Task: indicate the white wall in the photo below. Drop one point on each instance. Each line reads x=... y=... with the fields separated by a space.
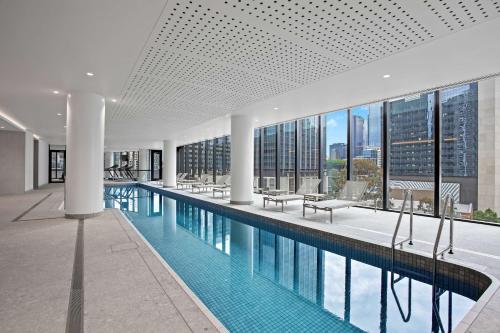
x=28 y=161
x=12 y=161
x=43 y=162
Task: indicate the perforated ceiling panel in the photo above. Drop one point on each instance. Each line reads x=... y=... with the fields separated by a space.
x=205 y=59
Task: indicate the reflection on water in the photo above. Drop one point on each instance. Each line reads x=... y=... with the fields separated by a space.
x=256 y=280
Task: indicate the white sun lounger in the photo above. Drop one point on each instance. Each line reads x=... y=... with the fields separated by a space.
x=223 y=181
x=222 y=191
x=352 y=193
x=304 y=190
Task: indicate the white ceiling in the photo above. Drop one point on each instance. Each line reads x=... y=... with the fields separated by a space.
x=6 y=126
x=178 y=64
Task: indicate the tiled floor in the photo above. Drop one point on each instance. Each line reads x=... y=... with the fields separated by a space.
x=476 y=245
x=126 y=287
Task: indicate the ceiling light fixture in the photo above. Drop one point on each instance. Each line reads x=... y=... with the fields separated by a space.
x=275 y=108
x=56 y=92
x=113 y=100
x=89 y=74
x=386 y=76
x=59 y=114
x=2 y=127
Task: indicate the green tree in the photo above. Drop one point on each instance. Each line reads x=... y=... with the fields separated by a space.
x=488 y=215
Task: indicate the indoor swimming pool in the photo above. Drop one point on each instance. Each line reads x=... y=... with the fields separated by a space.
x=259 y=279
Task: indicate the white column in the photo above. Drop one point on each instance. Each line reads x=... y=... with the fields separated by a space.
x=241 y=160
x=84 y=155
x=144 y=165
x=169 y=163
x=108 y=159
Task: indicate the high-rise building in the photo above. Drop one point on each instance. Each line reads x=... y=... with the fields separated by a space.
x=337 y=151
x=375 y=125
x=459 y=109
x=358 y=135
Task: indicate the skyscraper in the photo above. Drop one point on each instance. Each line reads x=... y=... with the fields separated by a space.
x=358 y=135
x=337 y=151
x=375 y=125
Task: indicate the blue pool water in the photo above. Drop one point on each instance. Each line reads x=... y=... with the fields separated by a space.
x=255 y=280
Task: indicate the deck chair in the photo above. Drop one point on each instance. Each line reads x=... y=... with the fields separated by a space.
x=307 y=188
x=223 y=181
x=350 y=195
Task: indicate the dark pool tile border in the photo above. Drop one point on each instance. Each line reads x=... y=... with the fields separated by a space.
x=456 y=277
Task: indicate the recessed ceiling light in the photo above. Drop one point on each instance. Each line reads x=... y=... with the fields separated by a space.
x=56 y=92
x=59 y=114
x=386 y=76
x=89 y=74
x=275 y=108
x=113 y=100
x=2 y=127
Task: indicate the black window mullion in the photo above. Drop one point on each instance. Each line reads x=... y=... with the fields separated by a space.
x=437 y=154
x=277 y=157
x=261 y=161
x=297 y=155
x=385 y=155
x=320 y=155
x=349 y=144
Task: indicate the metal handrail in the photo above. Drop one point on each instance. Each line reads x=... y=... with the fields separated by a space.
x=396 y=298
x=409 y=239
x=436 y=254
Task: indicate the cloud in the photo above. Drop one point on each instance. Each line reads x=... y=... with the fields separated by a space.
x=331 y=122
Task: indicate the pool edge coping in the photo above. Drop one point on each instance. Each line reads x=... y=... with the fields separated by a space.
x=462 y=326
x=203 y=308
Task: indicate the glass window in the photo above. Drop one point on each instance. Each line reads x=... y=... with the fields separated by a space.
x=335 y=143
x=366 y=150
x=411 y=151
x=256 y=160
x=201 y=158
x=195 y=156
x=209 y=144
x=227 y=155
x=287 y=156
x=459 y=147
x=219 y=151
x=309 y=152
x=269 y=158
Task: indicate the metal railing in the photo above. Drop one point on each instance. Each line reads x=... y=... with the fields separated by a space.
x=406 y=318
x=435 y=252
x=436 y=292
x=409 y=239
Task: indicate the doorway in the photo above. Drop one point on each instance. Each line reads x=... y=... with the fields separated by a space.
x=57 y=166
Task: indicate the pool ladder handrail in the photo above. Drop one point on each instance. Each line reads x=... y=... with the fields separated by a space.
x=449 y=248
x=409 y=239
x=449 y=201
x=396 y=298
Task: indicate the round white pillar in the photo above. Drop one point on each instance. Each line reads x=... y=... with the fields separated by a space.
x=84 y=155
x=169 y=163
x=143 y=165
x=241 y=160
x=108 y=159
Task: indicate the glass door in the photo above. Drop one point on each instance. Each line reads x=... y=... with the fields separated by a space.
x=156 y=164
x=57 y=168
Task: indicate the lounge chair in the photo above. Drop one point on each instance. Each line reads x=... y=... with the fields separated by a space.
x=222 y=191
x=187 y=182
x=352 y=193
x=223 y=181
x=204 y=180
x=305 y=190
